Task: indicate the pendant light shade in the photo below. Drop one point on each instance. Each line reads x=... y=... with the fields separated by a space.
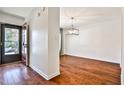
x=72 y=30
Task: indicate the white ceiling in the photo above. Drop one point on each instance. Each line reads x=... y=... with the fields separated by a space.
x=17 y=11
x=85 y=15
x=82 y=15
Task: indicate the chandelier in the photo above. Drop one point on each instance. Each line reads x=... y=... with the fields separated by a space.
x=72 y=30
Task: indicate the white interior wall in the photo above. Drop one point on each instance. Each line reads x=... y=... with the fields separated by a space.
x=44 y=49
x=53 y=41
x=11 y=19
x=99 y=40
x=122 y=63
x=39 y=41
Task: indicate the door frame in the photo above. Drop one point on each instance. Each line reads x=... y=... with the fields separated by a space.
x=25 y=60
x=14 y=56
x=0 y=44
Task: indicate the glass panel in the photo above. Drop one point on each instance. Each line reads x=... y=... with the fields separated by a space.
x=11 y=41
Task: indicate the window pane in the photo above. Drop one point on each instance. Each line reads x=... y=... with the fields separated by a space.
x=11 y=41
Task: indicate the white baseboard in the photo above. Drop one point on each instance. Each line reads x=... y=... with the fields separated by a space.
x=54 y=75
x=39 y=72
x=94 y=58
x=43 y=74
x=122 y=78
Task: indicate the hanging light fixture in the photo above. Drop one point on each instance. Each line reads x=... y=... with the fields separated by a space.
x=73 y=30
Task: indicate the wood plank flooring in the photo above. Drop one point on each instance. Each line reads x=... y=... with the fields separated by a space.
x=74 y=71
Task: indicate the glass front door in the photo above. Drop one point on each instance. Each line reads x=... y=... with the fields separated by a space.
x=11 y=43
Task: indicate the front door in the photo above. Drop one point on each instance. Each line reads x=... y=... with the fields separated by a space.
x=11 y=43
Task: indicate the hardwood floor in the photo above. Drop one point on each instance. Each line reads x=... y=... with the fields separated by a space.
x=76 y=70
x=73 y=71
